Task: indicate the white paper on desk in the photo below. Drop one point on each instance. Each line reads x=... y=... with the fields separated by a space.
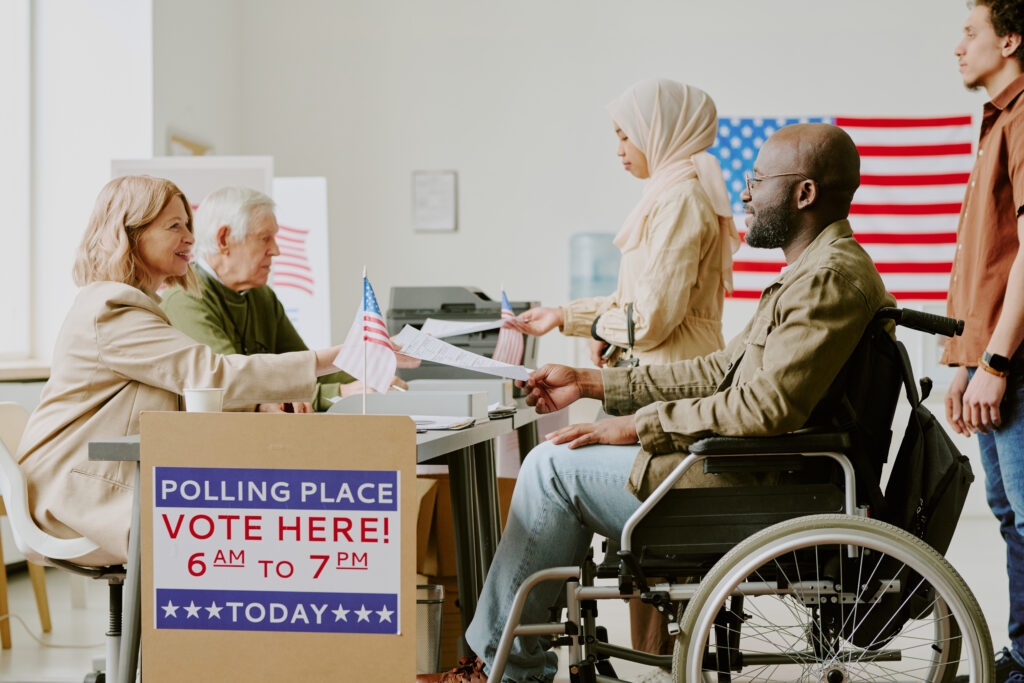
x=418 y=345
x=439 y=329
x=441 y=422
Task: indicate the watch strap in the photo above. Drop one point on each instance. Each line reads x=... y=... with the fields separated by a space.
x=996 y=362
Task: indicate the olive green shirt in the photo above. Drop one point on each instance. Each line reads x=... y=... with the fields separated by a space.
x=806 y=326
x=253 y=322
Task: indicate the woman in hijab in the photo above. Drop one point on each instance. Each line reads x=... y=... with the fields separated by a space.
x=677 y=247
x=676 y=244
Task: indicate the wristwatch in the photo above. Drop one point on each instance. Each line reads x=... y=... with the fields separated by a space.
x=996 y=362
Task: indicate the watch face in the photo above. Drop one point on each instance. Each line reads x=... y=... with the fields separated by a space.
x=997 y=362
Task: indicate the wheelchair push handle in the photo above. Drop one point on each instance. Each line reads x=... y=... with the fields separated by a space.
x=924 y=322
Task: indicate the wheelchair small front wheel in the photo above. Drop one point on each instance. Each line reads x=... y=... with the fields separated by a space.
x=837 y=599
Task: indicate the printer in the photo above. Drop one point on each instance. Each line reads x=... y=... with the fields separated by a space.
x=413 y=305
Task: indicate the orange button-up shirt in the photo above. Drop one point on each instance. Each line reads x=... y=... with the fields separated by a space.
x=986 y=239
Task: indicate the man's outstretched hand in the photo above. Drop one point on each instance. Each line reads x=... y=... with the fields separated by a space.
x=553 y=387
x=612 y=430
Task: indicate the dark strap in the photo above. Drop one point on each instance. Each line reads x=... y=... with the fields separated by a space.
x=630 y=325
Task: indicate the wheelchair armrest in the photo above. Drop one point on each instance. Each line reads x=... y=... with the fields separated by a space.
x=787 y=444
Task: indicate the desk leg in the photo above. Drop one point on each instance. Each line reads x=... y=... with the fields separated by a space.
x=490 y=510
x=465 y=514
x=131 y=609
x=528 y=439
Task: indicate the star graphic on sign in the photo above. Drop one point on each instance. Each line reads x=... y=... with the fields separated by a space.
x=385 y=614
x=341 y=614
x=170 y=609
x=363 y=613
x=213 y=610
x=192 y=609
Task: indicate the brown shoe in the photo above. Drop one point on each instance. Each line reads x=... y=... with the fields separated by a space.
x=469 y=670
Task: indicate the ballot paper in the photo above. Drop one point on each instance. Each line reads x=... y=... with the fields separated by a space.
x=432 y=422
x=418 y=345
x=439 y=329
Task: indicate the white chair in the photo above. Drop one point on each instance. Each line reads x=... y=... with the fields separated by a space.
x=36 y=544
x=12 y=424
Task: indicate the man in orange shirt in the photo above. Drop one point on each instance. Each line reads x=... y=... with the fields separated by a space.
x=987 y=290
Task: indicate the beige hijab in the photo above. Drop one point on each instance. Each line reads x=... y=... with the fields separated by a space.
x=672 y=124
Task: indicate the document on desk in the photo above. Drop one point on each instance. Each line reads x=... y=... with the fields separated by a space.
x=418 y=345
x=439 y=329
x=432 y=422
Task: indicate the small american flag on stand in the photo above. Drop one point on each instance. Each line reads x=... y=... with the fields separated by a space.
x=367 y=354
x=509 y=348
x=913 y=175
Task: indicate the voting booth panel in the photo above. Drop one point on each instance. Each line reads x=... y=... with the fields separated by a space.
x=278 y=546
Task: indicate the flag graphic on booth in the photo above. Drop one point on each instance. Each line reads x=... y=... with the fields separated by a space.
x=292 y=268
x=914 y=173
x=369 y=330
x=509 y=347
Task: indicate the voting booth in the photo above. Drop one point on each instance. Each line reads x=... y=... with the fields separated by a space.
x=278 y=547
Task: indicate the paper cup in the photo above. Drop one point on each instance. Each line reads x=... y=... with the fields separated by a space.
x=204 y=400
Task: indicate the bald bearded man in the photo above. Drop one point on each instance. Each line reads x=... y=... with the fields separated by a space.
x=766 y=382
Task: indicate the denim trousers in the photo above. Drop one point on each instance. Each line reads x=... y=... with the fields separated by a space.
x=1002 y=457
x=561 y=499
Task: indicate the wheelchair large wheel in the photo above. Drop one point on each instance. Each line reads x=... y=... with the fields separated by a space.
x=833 y=599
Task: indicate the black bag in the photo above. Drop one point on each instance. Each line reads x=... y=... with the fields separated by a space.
x=929 y=480
x=925 y=494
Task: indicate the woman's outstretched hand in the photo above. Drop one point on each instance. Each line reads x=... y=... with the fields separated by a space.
x=538 y=321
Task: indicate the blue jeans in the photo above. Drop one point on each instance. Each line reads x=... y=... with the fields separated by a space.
x=1002 y=457
x=561 y=499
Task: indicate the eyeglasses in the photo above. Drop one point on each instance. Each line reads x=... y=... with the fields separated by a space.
x=751 y=179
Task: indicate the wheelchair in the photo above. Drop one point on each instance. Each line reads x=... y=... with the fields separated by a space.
x=788 y=582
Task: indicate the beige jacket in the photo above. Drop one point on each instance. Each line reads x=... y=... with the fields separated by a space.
x=116 y=356
x=807 y=324
x=673 y=278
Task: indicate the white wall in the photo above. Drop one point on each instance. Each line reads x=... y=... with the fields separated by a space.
x=93 y=101
x=197 y=62
x=511 y=96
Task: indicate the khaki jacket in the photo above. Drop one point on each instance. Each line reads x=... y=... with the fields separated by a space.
x=673 y=278
x=115 y=357
x=770 y=377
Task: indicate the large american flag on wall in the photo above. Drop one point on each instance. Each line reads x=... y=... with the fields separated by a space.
x=913 y=175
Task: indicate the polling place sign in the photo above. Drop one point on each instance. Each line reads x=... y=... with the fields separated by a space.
x=276 y=550
x=277 y=545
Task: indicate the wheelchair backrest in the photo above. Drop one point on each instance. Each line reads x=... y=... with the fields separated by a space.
x=863 y=397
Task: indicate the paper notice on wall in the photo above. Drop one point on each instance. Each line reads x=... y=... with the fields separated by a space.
x=418 y=345
x=276 y=550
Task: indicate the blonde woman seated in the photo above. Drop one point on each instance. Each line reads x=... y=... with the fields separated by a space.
x=117 y=355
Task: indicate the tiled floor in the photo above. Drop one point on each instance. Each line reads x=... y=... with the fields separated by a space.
x=66 y=653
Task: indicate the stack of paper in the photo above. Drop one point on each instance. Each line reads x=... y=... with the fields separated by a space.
x=439 y=329
x=419 y=345
x=425 y=422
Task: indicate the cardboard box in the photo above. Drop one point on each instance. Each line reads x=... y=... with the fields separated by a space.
x=426 y=500
x=435 y=554
x=438 y=557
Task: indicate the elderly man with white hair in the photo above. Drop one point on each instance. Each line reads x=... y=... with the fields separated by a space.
x=235 y=311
